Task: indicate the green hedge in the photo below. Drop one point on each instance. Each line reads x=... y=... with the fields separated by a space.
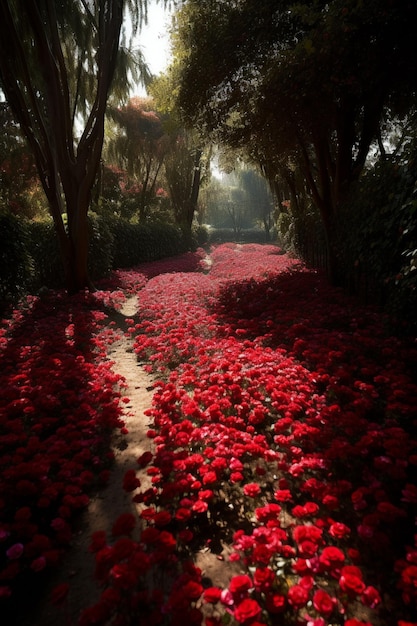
x=30 y=256
x=137 y=243
x=249 y=235
x=16 y=263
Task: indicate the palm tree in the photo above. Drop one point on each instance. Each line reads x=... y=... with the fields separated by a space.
x=58 y=64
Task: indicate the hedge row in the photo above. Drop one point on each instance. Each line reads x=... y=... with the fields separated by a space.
x=30 y=257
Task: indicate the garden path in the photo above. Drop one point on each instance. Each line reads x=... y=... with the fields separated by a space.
x=104 y=508
x=78 y=565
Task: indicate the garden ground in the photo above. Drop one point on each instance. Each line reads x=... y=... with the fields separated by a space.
x=280 y=457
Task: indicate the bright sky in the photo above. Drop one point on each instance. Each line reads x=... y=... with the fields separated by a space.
x=154 y=38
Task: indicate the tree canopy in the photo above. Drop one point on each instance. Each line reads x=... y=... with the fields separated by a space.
x=304 y=84
x=59 y=63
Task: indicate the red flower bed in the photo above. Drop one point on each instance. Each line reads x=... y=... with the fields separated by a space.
x=58 y=407
x=283 y=424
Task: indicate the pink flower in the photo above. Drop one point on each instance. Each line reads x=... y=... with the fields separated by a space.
x=15 y=551
x=38 y=564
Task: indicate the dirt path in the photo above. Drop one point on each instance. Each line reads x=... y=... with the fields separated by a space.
x=78 y=565
x=104 y=508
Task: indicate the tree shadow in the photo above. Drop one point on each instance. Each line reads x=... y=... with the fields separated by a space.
x=58 y=413
x=365 y=381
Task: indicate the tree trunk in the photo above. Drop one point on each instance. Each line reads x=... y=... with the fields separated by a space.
x=76 y=269
x=195 y=188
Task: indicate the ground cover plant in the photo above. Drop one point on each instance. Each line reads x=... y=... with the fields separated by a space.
x=60 y=401
x=282 y=424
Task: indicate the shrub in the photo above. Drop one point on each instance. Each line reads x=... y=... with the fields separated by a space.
x=139 y=243
x=378 y=235
x=43 y=247
x=16 y=267
x=250 y=235
x=201 y=235
x=100 y=257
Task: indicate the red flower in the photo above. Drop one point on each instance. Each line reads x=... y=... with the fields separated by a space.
x=370 y=597
x=298 y=596
x=130 y=481
x=247 y=611
x=339 y=530
x=351 y=580
x=124 y=524
x=98 y=541
x=252 y=490
x=283 y=495
x=323 y=603
x=240 y=585
x=212 y=595
x=275 y=602
x=332 y=558
x=162 y=518
x=145 y=459
x=15 y=551
x=209 y=478
x=263 y=578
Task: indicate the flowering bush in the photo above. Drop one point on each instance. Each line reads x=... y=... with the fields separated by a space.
x=282 y=425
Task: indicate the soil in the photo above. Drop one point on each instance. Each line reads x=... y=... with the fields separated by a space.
x=78 y=566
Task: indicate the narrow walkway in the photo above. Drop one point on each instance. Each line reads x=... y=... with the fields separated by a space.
x=78 y=565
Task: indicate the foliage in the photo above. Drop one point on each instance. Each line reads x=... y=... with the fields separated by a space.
x=101 y=248
x=306 y=87
x=138 y=148
x=16 y=264
x=20 y=189
x=138 y=243
x=58 y=63
x=31 y=259
x=378 y=233
x=245 y=235
x=44 y=249
x=201 y=234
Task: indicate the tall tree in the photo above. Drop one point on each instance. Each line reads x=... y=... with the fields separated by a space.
x=308 y=81
x=183 y=172
x=188 y=161
x=139 y=147
x=58 y=62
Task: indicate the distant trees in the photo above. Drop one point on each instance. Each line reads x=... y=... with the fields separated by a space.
x=20 y=190
x=58 y=64
x=138 y=146
x=241 y=200
x=300 y=86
